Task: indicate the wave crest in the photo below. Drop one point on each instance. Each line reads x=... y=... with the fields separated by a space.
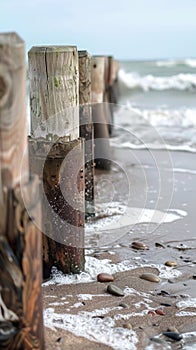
x=134 y=80
x=190 y=62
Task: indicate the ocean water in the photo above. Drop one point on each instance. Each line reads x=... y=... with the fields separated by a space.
x=157 y=100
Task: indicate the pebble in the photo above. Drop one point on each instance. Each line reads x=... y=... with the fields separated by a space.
x=171 y=281
x=61 y=340
x=165 y=304
x=57 y=320
x=172 y=329
x=160 y=312
x=127 y=326
x=151 y=313
x=105 y=277
x=164 y=293
x=150 y=277
x=159 y=245
x=114 y=290
x=124 y=305
x=171 y=263
x=173 y=335
x=139 y=246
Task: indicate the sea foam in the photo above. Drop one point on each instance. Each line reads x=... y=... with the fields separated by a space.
x=134 y=80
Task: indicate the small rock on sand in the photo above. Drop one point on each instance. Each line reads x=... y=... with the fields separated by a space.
x=150 y=277
x=105 y=277
x=173 y=335
x=171 y=263
x=139 y=246
x=114 y=290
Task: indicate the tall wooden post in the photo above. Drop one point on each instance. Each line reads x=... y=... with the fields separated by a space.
x=106 y=95
x=54 y=92
x=86 y=128
x=21 y=324
x=101 y=132
x=57 y=155
x=113 y=81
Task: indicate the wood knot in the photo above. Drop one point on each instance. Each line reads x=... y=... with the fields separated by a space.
x=5 y=85
x=2 y=87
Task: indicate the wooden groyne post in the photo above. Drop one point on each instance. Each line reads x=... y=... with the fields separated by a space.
x=108 y=112
x=21 y=325
x=111 y=93
x=87 y=128
x=57 y=154
x=100 y=120
x=113 y=87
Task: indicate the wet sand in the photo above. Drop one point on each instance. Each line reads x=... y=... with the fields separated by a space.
x=158 y=181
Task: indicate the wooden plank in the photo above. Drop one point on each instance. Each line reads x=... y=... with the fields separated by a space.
x=21 y=324
x=87 y=128
x=54 y=92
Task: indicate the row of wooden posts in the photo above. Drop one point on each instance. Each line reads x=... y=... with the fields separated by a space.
x=55 y=163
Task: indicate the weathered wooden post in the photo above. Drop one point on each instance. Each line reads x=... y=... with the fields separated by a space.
x=101 y=132
x=106 y=96
x=21 y=325
x=86 y=128
x=113 y=81
x=57 y=154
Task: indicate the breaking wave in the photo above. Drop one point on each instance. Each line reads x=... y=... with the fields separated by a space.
x=190 y=62
x=134 y=80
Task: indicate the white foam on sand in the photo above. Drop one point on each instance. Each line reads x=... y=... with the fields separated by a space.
x=85 y=297
x=183 y=171
x=89 y=324
x=94 y=329
x=188 y=343
x=95 y=266
x=183 y=304
x=165 y=346
x=190 y=347
x=162 y=146
x=186 y=304
x=126 y=216
x=190 y=338
x=174 y=170
x=157 y=346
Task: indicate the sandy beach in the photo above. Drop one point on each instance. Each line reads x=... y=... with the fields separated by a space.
x=84 y=315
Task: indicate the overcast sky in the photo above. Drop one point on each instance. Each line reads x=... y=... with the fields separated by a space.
x=128 y=29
